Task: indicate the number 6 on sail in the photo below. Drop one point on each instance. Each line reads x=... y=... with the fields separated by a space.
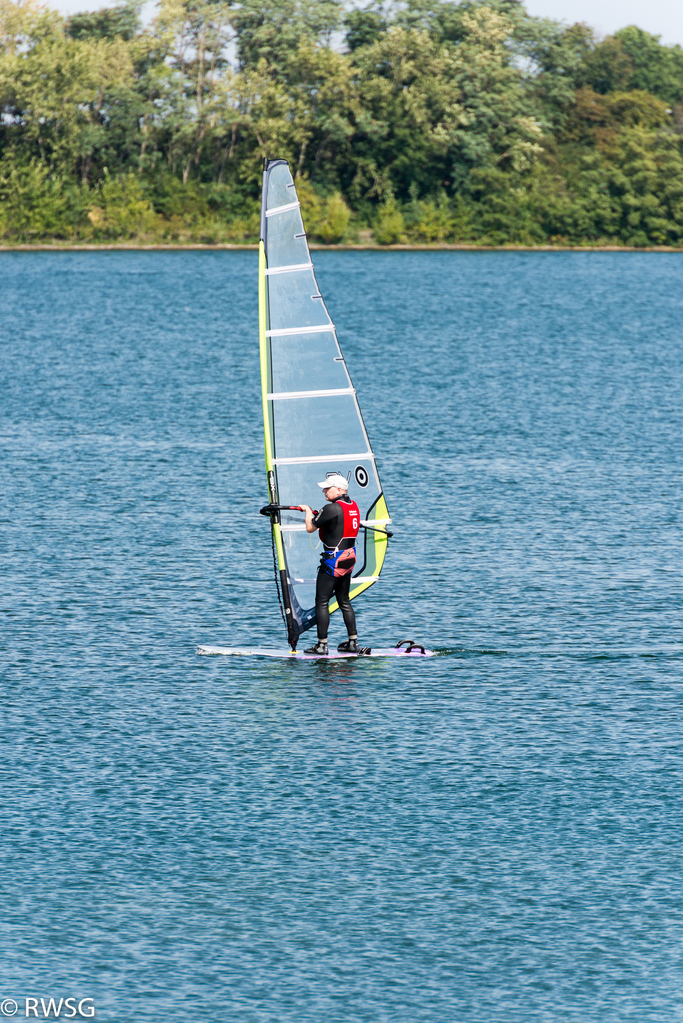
x=311 y=417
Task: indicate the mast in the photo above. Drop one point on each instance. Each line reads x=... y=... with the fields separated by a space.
x=293 y=631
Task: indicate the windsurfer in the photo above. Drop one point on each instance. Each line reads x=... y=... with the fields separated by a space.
x=338 y=523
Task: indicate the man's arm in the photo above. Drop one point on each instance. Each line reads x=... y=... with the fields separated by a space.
x=310 y=528
x=322 y=519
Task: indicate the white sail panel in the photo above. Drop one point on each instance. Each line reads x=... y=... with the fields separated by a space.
x=296 y=359
x=317 y=426
x=294 y=301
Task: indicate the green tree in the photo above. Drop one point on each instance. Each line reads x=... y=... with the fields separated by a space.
x=409 y=115
x=500 y=126
x=55 y=94
x=646 y=178
x=272 y=31
x=192 y=85
x=120 y=22
x=322 y=100
x=553 y=56
x=655 y=68
x=607 y=67
x=363 y=27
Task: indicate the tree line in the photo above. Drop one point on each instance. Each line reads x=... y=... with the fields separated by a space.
x=419 y=121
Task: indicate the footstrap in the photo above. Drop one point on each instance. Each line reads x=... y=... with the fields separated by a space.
x=410 y=645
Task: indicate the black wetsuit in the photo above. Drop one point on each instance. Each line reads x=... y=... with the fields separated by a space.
x=331 y=520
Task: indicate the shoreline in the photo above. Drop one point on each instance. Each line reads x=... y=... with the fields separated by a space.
x=318 y=247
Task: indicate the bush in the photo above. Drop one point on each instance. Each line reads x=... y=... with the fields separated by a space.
x=121 y=209
x=431 y=220
x=324 y=219
x=390 y=224
x=312 y=205
x=337 y=216
x=35 y=205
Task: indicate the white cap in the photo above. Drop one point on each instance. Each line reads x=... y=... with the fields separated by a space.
x=335 y=480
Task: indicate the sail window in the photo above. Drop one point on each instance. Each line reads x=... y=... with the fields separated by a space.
x=286 y=244
x=290 y=301
x=306 y=362
x=308 y=426
x=279 y=191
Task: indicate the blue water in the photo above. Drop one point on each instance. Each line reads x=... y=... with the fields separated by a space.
x=490 y=836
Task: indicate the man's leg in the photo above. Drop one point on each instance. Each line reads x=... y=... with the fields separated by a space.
x=342 y=585
x=324 y=588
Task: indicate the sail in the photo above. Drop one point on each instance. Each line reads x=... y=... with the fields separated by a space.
x=312 y=421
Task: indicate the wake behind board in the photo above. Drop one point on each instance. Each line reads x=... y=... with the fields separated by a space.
x=299 y=655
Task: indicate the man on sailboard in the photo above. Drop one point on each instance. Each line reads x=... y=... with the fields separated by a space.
x=338 y=523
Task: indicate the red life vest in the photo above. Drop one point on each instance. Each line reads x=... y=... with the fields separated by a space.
x=351 y=521
x=338 y=561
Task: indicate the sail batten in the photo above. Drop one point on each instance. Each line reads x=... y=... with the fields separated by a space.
x=282 y=209
x=289 y=269
x=283 y=395
x=286 y=331
x=310 y=408
x=324 y=458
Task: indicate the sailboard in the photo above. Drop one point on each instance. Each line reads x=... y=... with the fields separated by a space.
x=311 y=416
x=300 y=655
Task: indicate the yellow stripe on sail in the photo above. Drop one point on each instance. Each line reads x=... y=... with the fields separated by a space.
x=375 y=551
x=263 y=349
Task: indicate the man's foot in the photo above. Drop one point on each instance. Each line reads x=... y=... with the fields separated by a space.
x=349 y=647
x=319 y=648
